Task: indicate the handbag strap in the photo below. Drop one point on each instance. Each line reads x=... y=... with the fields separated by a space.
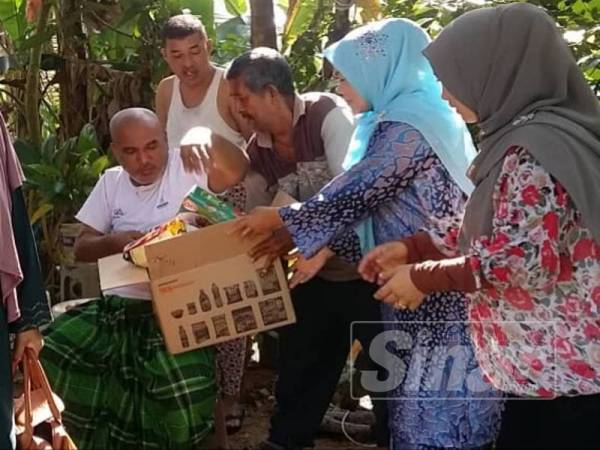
x=35 y=373
x=27 y=396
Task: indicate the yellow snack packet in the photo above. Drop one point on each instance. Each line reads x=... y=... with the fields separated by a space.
x=135 y=252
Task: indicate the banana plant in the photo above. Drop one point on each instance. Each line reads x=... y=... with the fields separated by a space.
x=13 y=21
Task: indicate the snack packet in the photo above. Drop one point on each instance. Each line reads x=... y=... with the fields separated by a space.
x=209 y=207
x=135 y=252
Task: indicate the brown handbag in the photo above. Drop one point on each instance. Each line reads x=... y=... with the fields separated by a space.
x=38 y=418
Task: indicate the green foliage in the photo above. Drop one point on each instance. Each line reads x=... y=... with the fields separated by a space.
x=303 y=38
x=12 y=20
x=61 y=175
x=310 y=21
x=299 y=20
x=133 y=38
x=236 y=7
x=232 y=39
x=581 y=16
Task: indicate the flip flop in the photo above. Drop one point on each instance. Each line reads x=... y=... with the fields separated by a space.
x=234 y=421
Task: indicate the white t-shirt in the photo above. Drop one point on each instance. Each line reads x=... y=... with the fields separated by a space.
x=116 y=204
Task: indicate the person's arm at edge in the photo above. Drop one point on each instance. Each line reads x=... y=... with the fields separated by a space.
x=162 y=100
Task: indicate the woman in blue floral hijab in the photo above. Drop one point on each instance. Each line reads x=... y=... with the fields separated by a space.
x=406 y=167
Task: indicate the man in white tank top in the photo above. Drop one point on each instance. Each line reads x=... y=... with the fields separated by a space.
x=196 y=94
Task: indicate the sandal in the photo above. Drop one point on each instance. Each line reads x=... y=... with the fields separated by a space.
x=235 y=420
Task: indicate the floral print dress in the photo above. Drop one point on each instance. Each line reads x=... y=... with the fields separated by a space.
x=536 y=316
x=402 y=184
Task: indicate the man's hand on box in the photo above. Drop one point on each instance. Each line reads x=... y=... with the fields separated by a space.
x=261 y=220
x=193 y=219
x=278 y=244
x=122 y=238
x=195 y=158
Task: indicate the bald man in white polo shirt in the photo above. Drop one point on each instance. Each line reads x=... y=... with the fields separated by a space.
x=107 y=358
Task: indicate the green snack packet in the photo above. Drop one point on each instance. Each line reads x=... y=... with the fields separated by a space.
x=208 y=206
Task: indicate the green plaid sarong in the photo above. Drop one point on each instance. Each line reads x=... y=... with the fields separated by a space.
x=122 y=389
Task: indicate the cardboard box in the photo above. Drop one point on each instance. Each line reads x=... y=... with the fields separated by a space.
x=205 y=288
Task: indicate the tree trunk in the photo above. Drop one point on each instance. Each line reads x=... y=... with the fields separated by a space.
x=262 y=24
x=339 y=29
x=341 y=21
x=32 y=82
x=73 y=74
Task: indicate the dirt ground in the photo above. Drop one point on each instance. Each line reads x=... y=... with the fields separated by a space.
x=258 y=401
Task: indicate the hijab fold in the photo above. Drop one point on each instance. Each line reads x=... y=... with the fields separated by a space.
x=511 y=66
x=383 y=62
x=11 y=178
